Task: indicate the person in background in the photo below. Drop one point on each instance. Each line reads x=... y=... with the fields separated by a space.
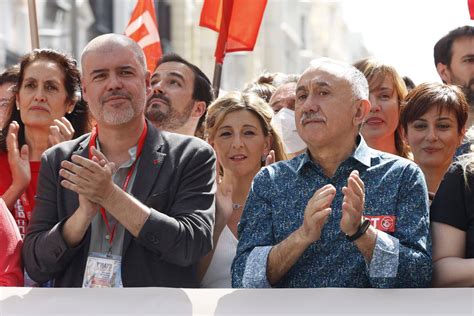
x=453 y=58
x=238 y=128
x=44 y=111
x=283 y=104
x=8 y=80
x=342 y=214
x=452 y=226
x=284 y=95
x=179 y=98
x=262 y=86
x=433 y=119
x=381 y=129
x=11 y=268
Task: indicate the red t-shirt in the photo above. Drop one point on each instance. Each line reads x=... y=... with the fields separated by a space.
x=25 y=204
x=11 y=270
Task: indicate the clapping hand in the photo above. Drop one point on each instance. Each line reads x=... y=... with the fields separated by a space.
x=18 y=159
x=316 y=213
x=90 y=178
x=60 y=131
x=352 y=204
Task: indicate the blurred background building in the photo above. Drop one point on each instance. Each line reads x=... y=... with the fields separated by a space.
x=292 y=33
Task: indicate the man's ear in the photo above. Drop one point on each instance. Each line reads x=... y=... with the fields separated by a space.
x=148 y=83
x=199 y=109
x=362 y=109
x=84 y=93
x=443 y=72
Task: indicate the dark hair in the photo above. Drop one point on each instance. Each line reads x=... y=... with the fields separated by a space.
x=79 y=117
x=443 y=48
x=445 y=97
x=202 y=85
x=408 y=83
x=10 y=75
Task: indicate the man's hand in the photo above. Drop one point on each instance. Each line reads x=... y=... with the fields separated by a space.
x=270 y=158
x=18 y=160
x=90 y=178
x=60 y=131
x=352 y=204
x=316 y=213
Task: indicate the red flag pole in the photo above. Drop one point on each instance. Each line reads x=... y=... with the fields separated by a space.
x=33 y=24
x=227 y=6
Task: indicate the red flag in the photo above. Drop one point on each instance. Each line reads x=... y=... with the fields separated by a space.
x=237 y=22
x=143 y=29
x=470 y=4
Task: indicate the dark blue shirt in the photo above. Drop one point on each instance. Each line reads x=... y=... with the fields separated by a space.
x=275 y=208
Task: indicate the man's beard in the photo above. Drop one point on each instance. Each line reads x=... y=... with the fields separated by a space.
x=114 y=115
x=469 y=93
x=467 y=88
x=165 y=116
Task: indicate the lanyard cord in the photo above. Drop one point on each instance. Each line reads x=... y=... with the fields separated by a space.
x=92 y=144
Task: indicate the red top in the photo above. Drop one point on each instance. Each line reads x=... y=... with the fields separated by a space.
x=11 y=270
x=22 y=209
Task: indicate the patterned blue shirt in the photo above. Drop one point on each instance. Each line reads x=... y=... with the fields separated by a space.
x=275 y=208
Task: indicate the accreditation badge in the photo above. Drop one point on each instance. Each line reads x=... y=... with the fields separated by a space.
x=102 y=271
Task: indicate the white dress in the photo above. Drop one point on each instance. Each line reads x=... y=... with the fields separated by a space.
x=218 y=272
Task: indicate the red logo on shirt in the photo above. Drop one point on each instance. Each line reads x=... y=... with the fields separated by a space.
x=385 y=223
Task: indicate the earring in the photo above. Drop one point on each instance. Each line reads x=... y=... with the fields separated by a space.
x=263 y=158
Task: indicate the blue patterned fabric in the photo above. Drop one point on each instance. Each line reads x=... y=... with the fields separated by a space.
x=275 y=208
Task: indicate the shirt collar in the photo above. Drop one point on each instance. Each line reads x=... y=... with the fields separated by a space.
x=131 y=151
x=362 y=153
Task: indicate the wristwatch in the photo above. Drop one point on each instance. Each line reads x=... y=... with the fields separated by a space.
x=360 y=231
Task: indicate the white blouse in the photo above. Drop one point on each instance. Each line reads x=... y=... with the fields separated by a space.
x=218 y=272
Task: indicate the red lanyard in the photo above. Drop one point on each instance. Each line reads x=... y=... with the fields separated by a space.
x=92 y=144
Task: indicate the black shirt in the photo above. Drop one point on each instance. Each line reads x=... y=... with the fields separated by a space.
x=454 y=204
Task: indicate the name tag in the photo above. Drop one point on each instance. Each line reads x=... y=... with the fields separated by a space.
x=102 y=271
x=385 y=223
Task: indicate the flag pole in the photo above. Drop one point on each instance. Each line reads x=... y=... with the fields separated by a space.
x=227 y=6
x=33 y=24
x=216 y=81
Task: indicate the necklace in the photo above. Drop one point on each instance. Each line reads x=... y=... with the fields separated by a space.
x=236 y=206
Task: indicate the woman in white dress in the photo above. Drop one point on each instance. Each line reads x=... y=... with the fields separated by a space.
x=238 y=127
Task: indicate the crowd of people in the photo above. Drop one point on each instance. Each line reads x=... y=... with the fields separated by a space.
x=341 y=176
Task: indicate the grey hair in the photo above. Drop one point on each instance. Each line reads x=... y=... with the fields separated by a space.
x=357 y=80
x=280 y=79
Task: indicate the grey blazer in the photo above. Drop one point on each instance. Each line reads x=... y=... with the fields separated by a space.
x=175 y=178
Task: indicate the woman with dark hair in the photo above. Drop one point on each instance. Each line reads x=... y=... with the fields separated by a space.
x=43 y=112
x=381 y=129
x=433 y=120
x=452 y=226
x=238 y=126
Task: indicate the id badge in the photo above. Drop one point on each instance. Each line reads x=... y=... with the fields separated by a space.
x=102 y=271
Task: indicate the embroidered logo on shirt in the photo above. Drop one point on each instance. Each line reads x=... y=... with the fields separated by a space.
x=385 y=223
